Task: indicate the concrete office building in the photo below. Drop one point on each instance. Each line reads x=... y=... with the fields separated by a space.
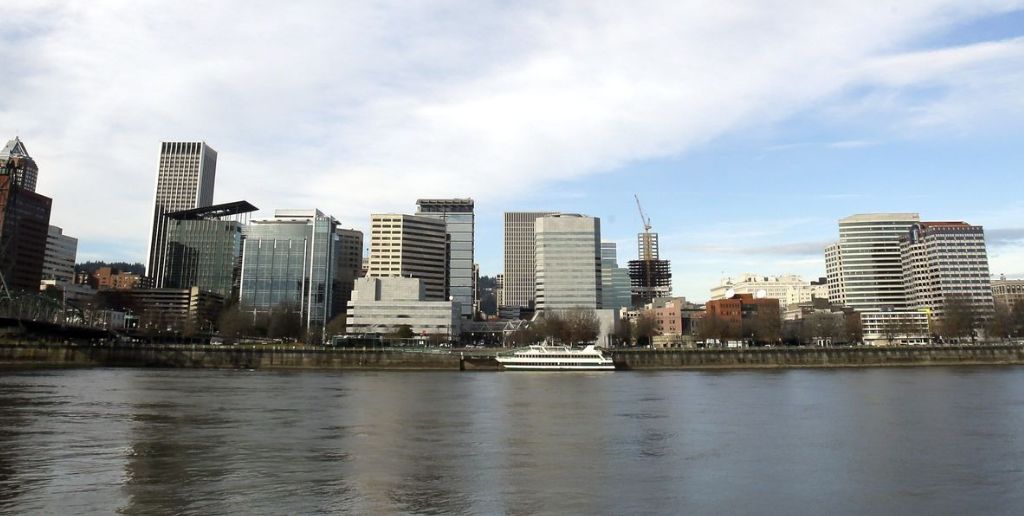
x=59 y=259
x=157 y=310
x=184 y=181
x=518 y=281
x=204 y=248
x=568 y=262
x=864 y=268
x=789 y=289
x=943 y=262
x=615 y=284
x=409 y=246
x=288 y=261
x=348 y=267
x=24 y=221
x=458 y=217
x=380 y=306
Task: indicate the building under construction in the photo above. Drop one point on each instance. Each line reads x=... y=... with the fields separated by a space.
x=649 y=276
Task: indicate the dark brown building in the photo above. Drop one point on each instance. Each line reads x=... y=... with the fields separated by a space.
x=741 y=307
x=24 y=222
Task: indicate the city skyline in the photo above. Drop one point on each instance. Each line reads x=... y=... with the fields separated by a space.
x=743 y=168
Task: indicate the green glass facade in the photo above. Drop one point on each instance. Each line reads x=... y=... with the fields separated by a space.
x=205 y=254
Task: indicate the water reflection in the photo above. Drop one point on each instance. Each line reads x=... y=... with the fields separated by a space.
x=199 y=442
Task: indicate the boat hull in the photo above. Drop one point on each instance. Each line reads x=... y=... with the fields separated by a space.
x=511 y=366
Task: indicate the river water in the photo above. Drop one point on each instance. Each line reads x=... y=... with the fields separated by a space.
x=852 y=441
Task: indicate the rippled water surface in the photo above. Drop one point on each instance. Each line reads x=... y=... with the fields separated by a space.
x=871 y=441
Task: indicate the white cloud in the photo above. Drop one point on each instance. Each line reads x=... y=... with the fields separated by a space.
x=357 y=107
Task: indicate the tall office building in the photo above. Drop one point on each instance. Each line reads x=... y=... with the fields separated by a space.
x=24 y=221
x=348 y=266
x=204 y=248
x=26 y=173
x=288 y=261
x=568 y=258
x=184 y=181
x=59 y=259
x=864 y=269
x=518 y=280
x=409 y=246
x=458 y=217
x=615 y=284
x=943 y=261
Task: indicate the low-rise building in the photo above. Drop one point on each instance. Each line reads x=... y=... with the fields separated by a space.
x=788 y=288
x=109 y=278
x=381 y=306
x=1007 y=292
x=176 y=310
x=895 y=327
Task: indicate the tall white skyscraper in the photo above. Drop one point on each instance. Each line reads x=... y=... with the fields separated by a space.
x=184 y=181
x=458 y=217
x=864 y=269
x=943 y=261
x=568 y=261
x=519 y=266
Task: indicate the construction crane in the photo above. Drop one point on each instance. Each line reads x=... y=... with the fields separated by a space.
x=648 y=283
x=647 y=255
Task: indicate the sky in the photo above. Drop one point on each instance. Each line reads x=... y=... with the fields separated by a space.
x=747 y=129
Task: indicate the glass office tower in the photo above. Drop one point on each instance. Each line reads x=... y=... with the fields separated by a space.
x=459 y=219
x=204 y=248
x=288 y=261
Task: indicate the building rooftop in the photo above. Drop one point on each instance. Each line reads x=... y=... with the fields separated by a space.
x=881 y=217
x=214 y=212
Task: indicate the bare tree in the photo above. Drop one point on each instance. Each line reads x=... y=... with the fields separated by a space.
x=1017 y=318
x=820 y=325
x=1001 y=324
x=584 y=326
x=853 y=330
x=646 y=328
x=285 y=322
x=958 y=319
x=523 y=337
x=336 y=326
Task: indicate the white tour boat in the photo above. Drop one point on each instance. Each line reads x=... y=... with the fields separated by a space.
x=555 y=358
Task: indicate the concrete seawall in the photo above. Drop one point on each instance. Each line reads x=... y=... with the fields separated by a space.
x=288 y=357
x=861 y=356
x=225 y=357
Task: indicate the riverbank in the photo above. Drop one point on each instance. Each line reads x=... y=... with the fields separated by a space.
x=318 y=358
